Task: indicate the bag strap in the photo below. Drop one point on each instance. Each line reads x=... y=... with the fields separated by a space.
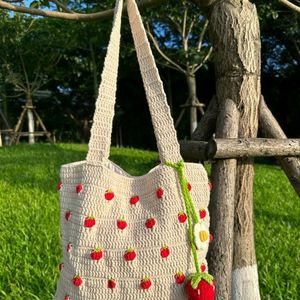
x=99 y=145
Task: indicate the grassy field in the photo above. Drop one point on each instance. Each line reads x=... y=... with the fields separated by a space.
x=29 y=220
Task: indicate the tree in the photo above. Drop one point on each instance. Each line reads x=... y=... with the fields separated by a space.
x=178 y=35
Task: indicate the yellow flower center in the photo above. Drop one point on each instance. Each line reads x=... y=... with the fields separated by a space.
x=203 y=235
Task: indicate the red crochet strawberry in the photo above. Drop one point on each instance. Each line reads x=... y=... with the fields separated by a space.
x=179 y=277
x=202 y=213
x=66 y=297
x=159 y=193
x=130 y=254
x=164 y=252
x=96 y=254
x=210 y=185
x=203 y=267
x=77 y=280
x=68 y=215
x=79 y=188
x=211 y=238
x=111 y=283
x=69 y=247
x=150 y=223
x=89 y=221
x=189 y=186
x=121 y=223
x=134 y=200
x=109 y=194
x=182 y=217
x=200 y=287
x=59 y=185
x=61 y=266
x=146 y=283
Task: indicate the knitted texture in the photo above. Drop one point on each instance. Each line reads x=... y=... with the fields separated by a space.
x=127 y=237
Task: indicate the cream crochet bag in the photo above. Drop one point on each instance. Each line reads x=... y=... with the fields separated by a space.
x=128 y=237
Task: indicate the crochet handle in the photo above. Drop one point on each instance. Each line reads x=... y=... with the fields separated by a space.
x=164 y=130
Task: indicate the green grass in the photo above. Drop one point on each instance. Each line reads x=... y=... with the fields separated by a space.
x=29 y=220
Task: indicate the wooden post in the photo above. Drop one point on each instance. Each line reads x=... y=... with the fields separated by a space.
x=270 y=128
x=234 y=31
x=222 y=204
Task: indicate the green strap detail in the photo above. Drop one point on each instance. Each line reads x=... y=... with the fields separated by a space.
x=189 y=206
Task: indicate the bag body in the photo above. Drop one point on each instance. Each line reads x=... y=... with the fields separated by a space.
x=129 y=237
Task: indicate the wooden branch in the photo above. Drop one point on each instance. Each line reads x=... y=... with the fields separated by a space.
x=63 y=7
x=271 y=129
x=103 y=15
x=204 y=60
x=236 y=148
x=207 y=125
x=290 y=5
x=202 y=35
x=162 y=54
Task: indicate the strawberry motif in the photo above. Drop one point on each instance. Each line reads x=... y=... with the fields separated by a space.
x=182 y=217
x=111 y=283
x=79 y=188
x=68 y=215
x=150 y=223
x=130 y=254
x=203 y=290
x=89 y=221
x=109 y=194
x=202 y=213
x=145 y=283
x=134 y=200
x=203 y=267
x=121 y=223
x=210 y=186
x=159 y=193
x=96 y=254
x=77 y=280
x=211 y=238
x=59 y=186
x=61 y=266
x=164 y=252
x=66 y=297
x=189 y=186
x=179 y=277
x=69 y=247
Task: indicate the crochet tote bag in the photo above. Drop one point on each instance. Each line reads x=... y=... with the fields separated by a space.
x=133 y=237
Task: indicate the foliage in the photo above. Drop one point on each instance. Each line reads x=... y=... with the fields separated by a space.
x=29 y=211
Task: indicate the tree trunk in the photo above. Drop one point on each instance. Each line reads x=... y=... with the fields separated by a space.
x=192 y=96
x=234 y=30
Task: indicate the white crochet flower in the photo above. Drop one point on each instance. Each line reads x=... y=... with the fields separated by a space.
x=201 y=236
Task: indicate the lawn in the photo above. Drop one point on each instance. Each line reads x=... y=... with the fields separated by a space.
x=29 y=214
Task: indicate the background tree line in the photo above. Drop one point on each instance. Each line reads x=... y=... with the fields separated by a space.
x=58 y=64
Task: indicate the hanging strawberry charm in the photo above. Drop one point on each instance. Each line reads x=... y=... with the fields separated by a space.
x=89 y=221
x=200 y=286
